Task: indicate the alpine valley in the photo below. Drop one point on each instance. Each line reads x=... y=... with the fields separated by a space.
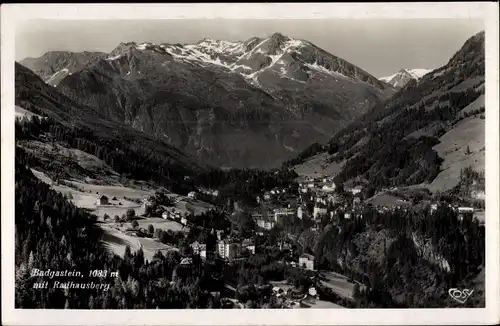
x=266 y=173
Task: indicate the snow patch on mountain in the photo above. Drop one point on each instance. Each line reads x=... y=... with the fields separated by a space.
x=58 y=75
x=114 y=57
x=322 y=69
x=403 y=76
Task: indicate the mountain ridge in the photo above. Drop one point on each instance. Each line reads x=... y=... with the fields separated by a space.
x=403 y=76
x=54 y=66
x=81 y=127
x=220 y=100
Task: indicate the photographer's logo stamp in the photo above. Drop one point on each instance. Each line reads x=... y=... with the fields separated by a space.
x=460 y=295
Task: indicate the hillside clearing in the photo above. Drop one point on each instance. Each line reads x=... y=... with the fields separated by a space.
x=470 y=132
x=116 y=241
x=339 y=284
x=318 y=166
x=385 y=199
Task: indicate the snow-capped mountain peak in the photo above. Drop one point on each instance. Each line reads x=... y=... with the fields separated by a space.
x=403 y=76
x=263 y=62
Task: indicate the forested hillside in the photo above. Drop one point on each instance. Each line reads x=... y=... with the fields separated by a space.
x=395 y=143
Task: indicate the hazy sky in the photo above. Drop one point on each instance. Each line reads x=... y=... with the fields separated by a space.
x=381 y=47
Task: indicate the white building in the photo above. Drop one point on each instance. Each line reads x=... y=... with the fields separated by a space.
x=198 y=247
x=356 y=190
x=228 y=250
x=300 y=212
x=306 y=261
x=347 y=215
x=192 y=195
x=466 y=210
x=318 y=211
x=329 y=188
x=265 y=224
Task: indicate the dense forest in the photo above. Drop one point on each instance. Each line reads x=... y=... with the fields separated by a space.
x=51 y=233
x=245 y=184
x=449 y=250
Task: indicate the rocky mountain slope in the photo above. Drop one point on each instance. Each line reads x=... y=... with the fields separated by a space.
x=64 y=123
x=221 y=101
x=425 y=134
x=53 y=66
x=403 y=76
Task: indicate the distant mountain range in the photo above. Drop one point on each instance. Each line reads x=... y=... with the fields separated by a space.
x=425 y=134
x=403 y=76
x=239 y=104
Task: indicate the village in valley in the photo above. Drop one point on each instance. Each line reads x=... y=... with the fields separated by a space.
x=202 y=225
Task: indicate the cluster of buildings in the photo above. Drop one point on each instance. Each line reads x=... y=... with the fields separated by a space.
x=461 y=210
x=272 y=194
x=232 y=249
x=315 y=198
x=228 y=249
x=171 y=213
x=209 y=192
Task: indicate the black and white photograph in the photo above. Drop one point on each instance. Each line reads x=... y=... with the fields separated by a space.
x=308 y=164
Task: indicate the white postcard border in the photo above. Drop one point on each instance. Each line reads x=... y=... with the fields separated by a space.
x=15 y=14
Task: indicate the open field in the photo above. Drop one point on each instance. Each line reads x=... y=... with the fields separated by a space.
x=114 y=237
x=111 y=191
x=385 y=199
x=318 y=166
x=339 y=284
x=115 y=240
x=468 y=132
x=186 y=205
x=159 y=223
x=92 y=165
x=113 y=210
x=88 y=197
